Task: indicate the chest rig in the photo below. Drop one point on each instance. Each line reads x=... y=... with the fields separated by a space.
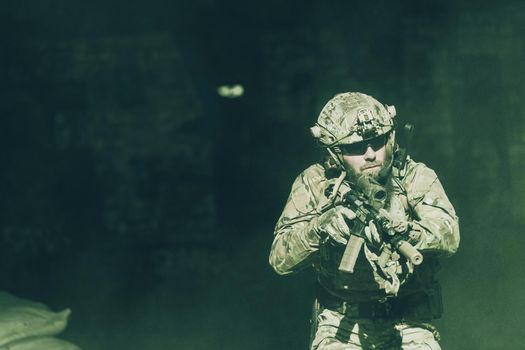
x=379 y=271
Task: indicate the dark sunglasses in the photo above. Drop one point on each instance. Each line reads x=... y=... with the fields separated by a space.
x=360 y=147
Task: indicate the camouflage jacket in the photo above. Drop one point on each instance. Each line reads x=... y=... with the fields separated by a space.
x=297 y=244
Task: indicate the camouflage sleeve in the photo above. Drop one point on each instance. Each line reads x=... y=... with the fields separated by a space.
x=295 y=235
x=435 y=216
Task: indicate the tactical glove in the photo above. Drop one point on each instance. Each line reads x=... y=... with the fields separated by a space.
x=408 y=229
x=333 y=223
x=372 y=234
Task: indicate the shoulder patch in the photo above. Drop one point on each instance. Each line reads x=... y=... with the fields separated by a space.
x=418 y=182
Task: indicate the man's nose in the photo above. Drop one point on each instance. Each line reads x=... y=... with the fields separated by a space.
x=370 y=154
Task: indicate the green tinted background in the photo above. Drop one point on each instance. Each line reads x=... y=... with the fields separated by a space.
x=136 y=195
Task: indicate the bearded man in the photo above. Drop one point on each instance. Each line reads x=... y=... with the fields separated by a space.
x=388 y=298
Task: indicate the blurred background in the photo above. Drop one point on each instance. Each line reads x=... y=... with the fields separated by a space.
x=134 y=193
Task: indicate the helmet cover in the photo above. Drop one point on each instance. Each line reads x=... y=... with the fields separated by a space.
x=352 y=117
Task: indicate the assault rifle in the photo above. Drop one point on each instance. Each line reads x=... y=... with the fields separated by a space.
x=366 y=204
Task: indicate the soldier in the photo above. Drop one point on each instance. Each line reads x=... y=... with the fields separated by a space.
x=388 y=299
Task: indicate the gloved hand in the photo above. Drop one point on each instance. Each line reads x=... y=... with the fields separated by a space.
x=372 y=234
x=399 y=224
x=408 y=229
x=333 y=223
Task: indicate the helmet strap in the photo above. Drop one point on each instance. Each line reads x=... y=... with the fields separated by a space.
x=335 y=157
x=335 y=165
x=393 y=145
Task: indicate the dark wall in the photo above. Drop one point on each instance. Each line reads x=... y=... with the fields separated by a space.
x=136 y=195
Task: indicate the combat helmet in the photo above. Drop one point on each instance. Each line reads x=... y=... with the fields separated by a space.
x=352 y=117
x=349 y=118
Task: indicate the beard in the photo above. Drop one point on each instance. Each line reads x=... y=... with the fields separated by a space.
x=379 y=171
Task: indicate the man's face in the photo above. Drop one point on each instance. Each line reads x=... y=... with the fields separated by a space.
x=368 y=157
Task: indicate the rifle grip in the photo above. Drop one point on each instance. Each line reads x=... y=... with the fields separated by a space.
x=353 y=247
x=408 y=251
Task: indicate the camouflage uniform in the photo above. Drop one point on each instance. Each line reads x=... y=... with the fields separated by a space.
x=390 y=308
